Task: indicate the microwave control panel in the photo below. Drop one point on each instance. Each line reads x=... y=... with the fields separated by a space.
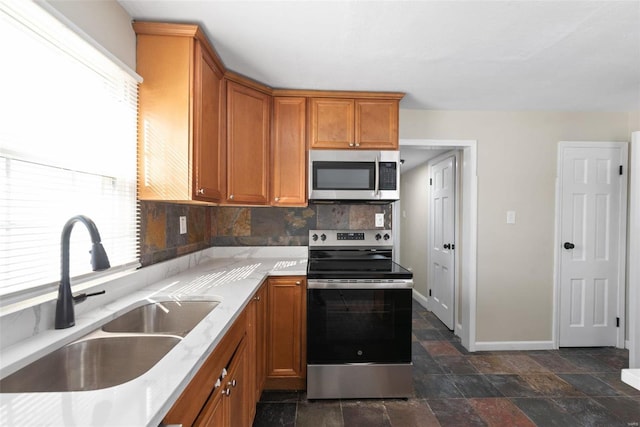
x=388 y=175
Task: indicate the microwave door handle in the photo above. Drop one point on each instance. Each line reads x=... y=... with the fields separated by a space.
x=377 y=177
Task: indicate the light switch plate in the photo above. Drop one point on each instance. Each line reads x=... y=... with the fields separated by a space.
x=183 y=225
x=379 y=220
x=511 y=217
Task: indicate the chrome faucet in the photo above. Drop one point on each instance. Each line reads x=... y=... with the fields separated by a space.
x=65 y=316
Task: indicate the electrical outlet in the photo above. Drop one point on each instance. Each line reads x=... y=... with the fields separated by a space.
x=379 y=220
x=183 y=225
x=511 y=217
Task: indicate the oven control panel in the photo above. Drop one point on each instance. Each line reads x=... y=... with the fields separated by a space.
x=373 y=238
x=350 y=236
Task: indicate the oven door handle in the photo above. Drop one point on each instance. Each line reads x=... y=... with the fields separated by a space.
x=336 y=284
x=377 y=176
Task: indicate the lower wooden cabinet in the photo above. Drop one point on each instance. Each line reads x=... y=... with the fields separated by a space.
x=265 y=348
x=256 y=336
x=201 y=397
x=227 y=405
x=286 y=344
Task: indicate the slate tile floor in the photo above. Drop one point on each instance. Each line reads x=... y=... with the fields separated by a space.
x=566 y=387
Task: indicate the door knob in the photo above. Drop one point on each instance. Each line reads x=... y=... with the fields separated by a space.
x=569 y=245
x=446 y=246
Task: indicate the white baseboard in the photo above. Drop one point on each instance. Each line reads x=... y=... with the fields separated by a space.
x=627 y=344
x=458 y=330
x=513 y=345
x=422 y=300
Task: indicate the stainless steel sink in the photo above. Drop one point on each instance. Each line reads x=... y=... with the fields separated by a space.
x=123 y=350
x=90 y=364
x=170 y=317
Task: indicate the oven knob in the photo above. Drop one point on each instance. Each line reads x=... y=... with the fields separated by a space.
x=323 y=237
x=386 y=237
x=378 y=236
x=314 y=237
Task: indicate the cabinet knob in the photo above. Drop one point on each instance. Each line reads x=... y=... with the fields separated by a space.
x=277 y=199
x=232 y=383
x=298 y=283
x=231 y=197
x=351 y=144
x=201 y=191
x=357 y=144
x=256 y=298
x=227 y=391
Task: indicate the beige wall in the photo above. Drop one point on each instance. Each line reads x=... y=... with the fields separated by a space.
x=634 y=122
x=413 y=224
x=106 y=22
x=517 y=154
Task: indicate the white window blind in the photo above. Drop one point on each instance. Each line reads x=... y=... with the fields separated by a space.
x=68 y=122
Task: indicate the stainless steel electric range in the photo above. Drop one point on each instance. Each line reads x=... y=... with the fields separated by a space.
x=358 y=317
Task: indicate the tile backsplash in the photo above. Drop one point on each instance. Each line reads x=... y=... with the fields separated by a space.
x=208 y=226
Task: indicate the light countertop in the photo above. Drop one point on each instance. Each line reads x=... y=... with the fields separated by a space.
x=145 y=400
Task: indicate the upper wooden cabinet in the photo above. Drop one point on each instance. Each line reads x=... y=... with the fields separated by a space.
x=181 y=150
x=208 y=135
x=348 y=123
x=289 y=152
x=376 y=124
x=248 y=119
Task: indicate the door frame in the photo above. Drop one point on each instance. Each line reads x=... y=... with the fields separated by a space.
x=457 y=327
x=633 y=279
x=468 y=224
x=622 y=236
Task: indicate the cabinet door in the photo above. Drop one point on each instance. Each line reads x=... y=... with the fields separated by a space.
x=332 y=123
x=289 y=152
x=286 y=360
x=255 y=347
x=376 y=124
x=260 y=330
x=163 y=116
x=238 y=390
x=248 y=117
x=215 y=412
x=208 y=116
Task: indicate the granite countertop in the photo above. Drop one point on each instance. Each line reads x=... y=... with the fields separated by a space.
x=145 y=400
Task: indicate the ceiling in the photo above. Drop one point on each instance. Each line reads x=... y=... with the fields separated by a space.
x=445 y=55
x=450 y=55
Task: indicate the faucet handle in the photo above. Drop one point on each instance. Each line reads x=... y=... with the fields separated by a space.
x=82 y=297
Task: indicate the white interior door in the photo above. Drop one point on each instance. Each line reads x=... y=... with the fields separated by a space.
x=591 y=201
x=442 y=230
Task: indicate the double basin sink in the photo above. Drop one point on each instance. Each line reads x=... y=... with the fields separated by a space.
x=119 y=351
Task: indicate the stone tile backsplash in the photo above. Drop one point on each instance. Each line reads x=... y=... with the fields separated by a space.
x=208 y=226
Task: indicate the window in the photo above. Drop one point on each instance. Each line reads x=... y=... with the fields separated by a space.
x=67 y=147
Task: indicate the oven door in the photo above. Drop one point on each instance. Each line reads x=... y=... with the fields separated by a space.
x=358 y=325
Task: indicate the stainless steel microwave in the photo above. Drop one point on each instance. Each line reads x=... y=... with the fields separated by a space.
x=354 y=175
